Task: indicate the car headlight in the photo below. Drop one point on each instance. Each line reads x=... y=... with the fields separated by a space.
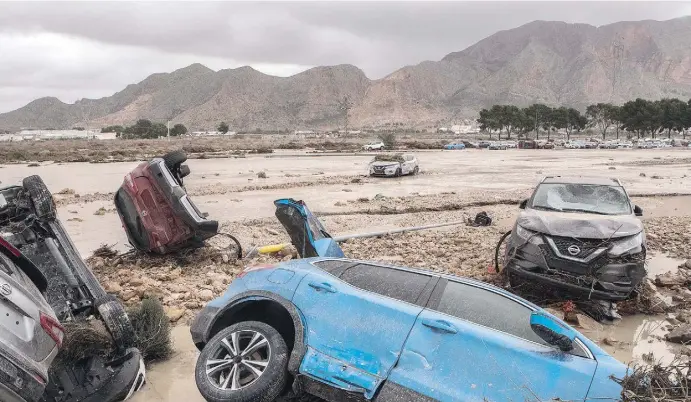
x=631 y=245
x=524 y=233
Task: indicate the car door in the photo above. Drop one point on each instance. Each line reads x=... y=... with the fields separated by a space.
x=474 y=344
x=355 y=326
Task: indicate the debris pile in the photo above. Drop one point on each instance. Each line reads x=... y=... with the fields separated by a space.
x=658 y=382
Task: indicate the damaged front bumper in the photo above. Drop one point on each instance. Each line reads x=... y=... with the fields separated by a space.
x=587 y=271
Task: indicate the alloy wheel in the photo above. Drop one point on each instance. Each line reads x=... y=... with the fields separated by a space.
x=239 y=360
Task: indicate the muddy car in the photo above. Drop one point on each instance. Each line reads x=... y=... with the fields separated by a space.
x=28 y=221
x=30 y=334
x=156 y=212
x=394 y=165
x=580 y=235
x=348 y=330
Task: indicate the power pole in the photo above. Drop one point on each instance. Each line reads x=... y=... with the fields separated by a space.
x=345 y=105
x=168 y=126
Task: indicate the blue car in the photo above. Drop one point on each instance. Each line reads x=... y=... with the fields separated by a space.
x=343 y=329
x=455 y=146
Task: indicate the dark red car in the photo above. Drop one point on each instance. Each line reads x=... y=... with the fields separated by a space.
x=156 y=212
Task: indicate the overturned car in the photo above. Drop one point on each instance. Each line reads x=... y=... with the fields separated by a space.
x=156 y=212
x=28 y=221
x=579 y=235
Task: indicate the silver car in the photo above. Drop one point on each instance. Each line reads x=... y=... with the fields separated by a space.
x=30 y=334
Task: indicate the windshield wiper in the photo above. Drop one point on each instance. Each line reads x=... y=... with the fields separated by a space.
x=546 y=208
x=587 y=211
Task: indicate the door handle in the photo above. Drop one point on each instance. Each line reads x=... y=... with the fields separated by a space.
x=322 y=286
x=440 y=326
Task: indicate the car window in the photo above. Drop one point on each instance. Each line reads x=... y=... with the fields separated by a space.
x=600 y=199
x=397 y=284
x=334 y=267
x=488 y=309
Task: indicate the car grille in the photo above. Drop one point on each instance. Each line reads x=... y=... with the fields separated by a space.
x=378 y=169
x=586 y=246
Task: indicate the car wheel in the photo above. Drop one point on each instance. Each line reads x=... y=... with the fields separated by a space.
x=244 y=362
x=173 y=159
x=416 y=170
x=116 y=322
x=398 y=172
x=41 y=198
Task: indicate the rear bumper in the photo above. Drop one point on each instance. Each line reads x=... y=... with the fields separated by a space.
x=16 y=384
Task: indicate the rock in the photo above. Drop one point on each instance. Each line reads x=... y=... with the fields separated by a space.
x=610 y=341
x=136 y=281
x=206 y=295
x=192 y=305
x=588 y=323
x=379 y=196
x=612 y=168
x=128 y=295
x=340 y=204
x=113 y=287
x=669 y=279
x=652 y=236
x=225 y=258
x=174 y=314
x=687 y=264
x=642 y=175
x=347 y=190
x=681 y=334
x=356 y=180
x=271 y=232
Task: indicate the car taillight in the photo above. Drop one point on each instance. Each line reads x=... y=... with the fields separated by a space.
x=254 y=268
x=12 y=249
x=53 y=328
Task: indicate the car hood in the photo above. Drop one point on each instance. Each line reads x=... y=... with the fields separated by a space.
x=383 y=163
x=581 y=225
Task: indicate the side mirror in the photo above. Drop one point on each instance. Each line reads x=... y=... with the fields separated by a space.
x=637 y=210
x=553 y=332
x=523 y=204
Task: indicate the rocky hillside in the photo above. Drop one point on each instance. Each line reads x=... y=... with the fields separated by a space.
x=550 y=62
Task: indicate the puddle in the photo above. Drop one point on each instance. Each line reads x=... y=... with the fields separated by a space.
x=173 y=380
x=659 y=264
x=637 y=336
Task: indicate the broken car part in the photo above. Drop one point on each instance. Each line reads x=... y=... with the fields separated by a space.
x=156 y=212
x=582 y=235
x=306 y=232
x=358 y=330
x=30 y=222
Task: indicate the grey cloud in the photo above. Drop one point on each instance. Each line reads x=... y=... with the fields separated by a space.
x=378 y=37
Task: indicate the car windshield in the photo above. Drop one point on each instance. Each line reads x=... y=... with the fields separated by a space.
x=588 y=198
x=388 y=158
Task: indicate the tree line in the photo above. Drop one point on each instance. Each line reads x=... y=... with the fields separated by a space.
x=144 y=128
x=640 y=117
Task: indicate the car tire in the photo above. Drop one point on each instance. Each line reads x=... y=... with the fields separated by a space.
x=41 y=198
x=398 y=173
x=265 y=387
x=117 y=322
x=416 y=170
x=174 y=158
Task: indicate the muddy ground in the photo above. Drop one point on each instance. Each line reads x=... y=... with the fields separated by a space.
x=453 y=185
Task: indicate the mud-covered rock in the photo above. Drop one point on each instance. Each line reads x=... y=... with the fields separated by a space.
x=174 y=314
x=670 y=279
x=681 y=334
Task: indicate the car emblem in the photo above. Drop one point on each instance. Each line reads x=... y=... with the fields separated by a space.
x=5 y=289
x=574 y=249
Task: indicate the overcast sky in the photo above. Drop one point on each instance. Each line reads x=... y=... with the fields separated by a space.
x=77 y=50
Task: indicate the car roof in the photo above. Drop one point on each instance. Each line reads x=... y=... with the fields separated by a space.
x=602 y=181
x=464 y=280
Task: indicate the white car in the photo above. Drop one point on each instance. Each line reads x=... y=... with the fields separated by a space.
x=394 y=165
x=375 y=146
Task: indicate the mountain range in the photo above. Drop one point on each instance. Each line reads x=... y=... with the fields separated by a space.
x=555 y=63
